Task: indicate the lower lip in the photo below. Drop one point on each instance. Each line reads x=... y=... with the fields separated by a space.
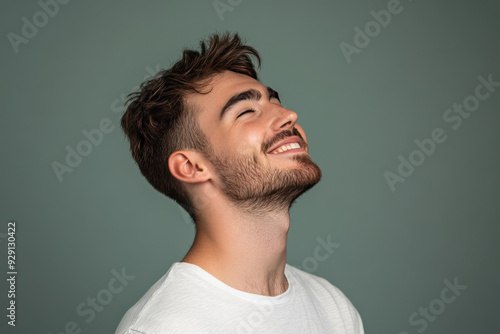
x=293 y=150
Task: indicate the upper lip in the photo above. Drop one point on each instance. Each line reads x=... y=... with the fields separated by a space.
x=289 y=140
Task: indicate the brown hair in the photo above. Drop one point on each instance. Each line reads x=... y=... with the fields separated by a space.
x=158 y=122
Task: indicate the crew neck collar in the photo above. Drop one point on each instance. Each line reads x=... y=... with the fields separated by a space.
x=256 y=298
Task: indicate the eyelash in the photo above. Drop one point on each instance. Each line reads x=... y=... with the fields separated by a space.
x=249 y=110
x=252 y=110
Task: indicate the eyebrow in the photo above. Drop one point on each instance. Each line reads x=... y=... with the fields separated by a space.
x=251 y=94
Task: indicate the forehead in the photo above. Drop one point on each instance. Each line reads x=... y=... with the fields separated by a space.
x=220 y=89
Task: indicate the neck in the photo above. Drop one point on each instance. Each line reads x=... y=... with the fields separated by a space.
x=246 y=252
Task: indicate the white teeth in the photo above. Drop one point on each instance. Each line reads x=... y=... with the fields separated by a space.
x=287 y=147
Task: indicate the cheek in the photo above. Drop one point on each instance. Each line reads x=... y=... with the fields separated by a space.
x=249 y=139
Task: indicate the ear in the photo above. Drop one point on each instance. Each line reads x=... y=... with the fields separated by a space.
x=188 y=166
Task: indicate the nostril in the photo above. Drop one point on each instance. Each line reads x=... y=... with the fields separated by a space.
x=289 y=122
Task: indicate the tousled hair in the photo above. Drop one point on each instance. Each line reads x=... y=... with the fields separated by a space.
x=158 y=121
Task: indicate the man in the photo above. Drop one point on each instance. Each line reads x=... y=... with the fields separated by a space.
x=209 y=135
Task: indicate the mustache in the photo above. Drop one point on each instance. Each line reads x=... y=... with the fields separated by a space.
x=285 y=134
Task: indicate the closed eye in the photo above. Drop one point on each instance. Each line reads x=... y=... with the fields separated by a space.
x=249 y=110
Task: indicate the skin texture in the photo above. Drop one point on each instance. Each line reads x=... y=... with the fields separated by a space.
x=242 y=193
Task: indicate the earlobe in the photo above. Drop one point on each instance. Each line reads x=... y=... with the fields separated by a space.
x=187 y=166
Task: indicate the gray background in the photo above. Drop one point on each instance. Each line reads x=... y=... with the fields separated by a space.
x=396 y=247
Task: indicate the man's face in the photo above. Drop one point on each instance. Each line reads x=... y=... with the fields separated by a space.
x=253 y=169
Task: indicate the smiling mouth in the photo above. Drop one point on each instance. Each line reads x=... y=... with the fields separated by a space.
x=288 y=148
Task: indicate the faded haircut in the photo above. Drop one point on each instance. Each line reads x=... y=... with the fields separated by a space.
x=158 y=121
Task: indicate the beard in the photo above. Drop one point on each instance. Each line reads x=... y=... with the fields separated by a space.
x=257 y=188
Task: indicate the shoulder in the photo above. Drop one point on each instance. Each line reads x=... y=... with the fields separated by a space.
x=326 y=294
x=165 y=306
x=311 y=281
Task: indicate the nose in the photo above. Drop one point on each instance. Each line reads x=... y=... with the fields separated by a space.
x=283 y=119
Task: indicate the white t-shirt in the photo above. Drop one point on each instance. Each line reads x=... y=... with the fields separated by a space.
x=187 y=299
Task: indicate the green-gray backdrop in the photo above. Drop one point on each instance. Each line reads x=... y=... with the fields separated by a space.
x=400 y=101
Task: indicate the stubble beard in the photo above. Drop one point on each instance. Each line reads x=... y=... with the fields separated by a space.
x=258 y=189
